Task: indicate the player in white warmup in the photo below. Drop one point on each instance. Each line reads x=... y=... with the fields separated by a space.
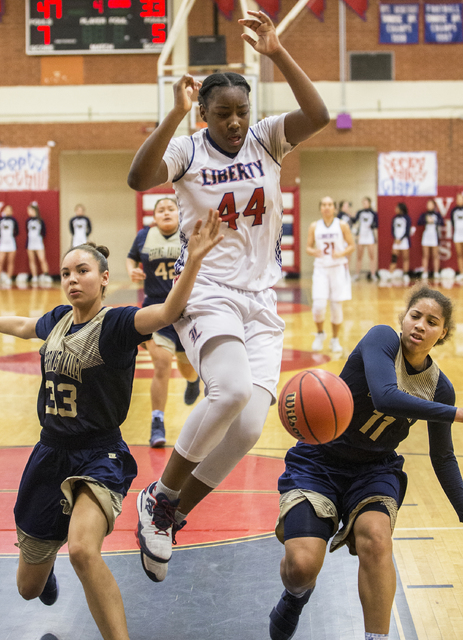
x=330 y=241
x=230 y=330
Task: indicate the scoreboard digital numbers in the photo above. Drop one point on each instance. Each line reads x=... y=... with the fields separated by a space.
x=66 y=27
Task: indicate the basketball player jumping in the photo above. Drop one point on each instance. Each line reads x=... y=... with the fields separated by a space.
x=230 y=330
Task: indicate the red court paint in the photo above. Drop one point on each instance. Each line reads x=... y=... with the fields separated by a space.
x=245 y=504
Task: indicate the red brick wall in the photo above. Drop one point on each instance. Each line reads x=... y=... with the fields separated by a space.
x=313 y=44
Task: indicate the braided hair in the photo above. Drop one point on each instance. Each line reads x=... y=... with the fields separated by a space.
x=227 y=79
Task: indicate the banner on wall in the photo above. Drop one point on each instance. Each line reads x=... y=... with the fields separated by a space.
x=24 y=169
x=443 y=23
x=411 y=173
x=398 y=23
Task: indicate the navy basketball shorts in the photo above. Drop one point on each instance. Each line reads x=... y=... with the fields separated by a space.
x=351 y=488
x=42 y=511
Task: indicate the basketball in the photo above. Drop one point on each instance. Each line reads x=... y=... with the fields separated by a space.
x=315 y=406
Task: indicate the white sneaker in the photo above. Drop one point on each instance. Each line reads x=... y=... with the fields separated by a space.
x=406 y=279
x=335 y=347
x=436 y=275
x=459 y=277
x=355 y=277
x=156 y=571
x=157 y=527
x=46 y=281
x=34 y=280
x=317 y=344
x=424 y=275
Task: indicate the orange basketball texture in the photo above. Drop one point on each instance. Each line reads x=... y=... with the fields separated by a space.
x=315 y=406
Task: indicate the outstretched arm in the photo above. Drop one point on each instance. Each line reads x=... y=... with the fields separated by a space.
x=313 y=114
x=18 y=326
x=202 y=240
x=148 y=168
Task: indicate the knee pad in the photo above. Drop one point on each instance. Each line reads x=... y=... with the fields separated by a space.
x=394 y=258
x=319 y=310
x=336 y=312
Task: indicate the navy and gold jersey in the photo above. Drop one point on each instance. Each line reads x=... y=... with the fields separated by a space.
x=87 y=375
x=389 y=396
x=158 y=254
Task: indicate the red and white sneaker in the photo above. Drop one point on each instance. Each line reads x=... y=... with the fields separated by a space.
x=156 y=531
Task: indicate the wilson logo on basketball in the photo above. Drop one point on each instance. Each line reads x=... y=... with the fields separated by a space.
x=291 y=416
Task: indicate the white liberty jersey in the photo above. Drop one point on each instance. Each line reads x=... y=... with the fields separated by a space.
x=245 y=188
x=329 y=240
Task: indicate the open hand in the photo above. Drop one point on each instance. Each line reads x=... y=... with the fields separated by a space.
x=204 y=237
x=267 y=42
x=184 y=90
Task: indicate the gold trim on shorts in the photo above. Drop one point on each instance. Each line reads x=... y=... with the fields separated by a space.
x=169 y=345
x=391 y=505
x=325 y=508
x=109 y=501
x=36 y=551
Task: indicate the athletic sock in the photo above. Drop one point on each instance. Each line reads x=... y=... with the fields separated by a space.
x=180 y=517
x=297 y=595
x=157 y=414
x=170 y=493
x=376 y=636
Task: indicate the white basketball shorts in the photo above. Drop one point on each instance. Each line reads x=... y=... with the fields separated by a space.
x=218 y=310
x=331 y=283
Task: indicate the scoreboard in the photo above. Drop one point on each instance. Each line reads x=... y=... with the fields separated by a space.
x=66 y=27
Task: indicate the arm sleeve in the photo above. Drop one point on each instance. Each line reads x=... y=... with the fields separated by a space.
x=43 y=230
x=379 y=349
x=89 y=226
x=71 y=226
x=134 y=253
x=422 y=220
x=375 y=221
x=445 y=464
x=408 y=227
x=16 y=229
